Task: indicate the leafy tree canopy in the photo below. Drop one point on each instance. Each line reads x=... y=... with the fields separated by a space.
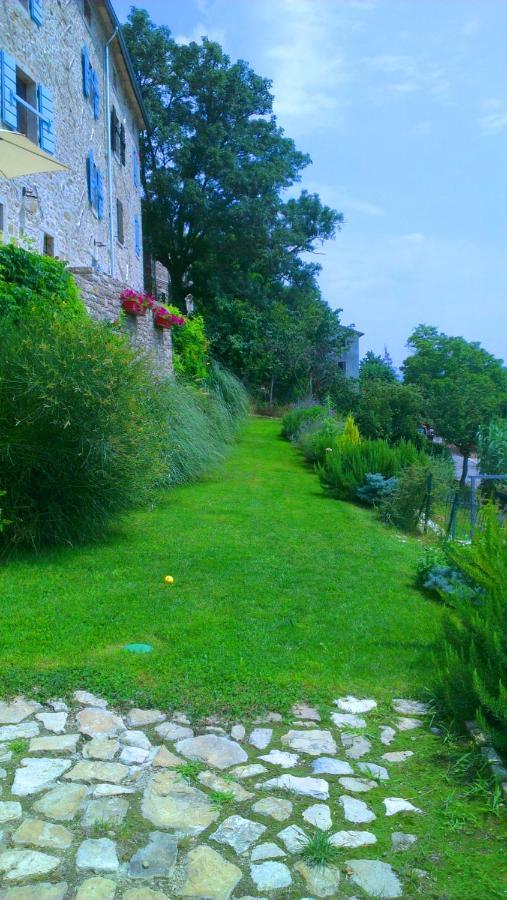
x=376 y=368
x=216 y=170
x=463 y=385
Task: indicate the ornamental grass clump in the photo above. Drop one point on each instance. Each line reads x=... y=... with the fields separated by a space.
x=80 y=429
x=297 y=419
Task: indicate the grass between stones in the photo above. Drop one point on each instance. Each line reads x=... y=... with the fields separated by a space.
x=280 y=594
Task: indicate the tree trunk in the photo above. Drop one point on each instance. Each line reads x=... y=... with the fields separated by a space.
x=271 y=391
x=464 y=470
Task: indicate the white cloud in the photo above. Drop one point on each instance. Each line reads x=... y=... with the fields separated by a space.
x=410 y=74
x=494 y=122
x=199 y=31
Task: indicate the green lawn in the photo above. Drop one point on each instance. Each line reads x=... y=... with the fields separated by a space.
x=279 y=594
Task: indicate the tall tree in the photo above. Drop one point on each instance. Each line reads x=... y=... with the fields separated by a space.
x=463 y=385
x=376 y=368
x=215 y=170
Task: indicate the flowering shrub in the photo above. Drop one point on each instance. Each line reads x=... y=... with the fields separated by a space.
x=143 y=301
x=168 y=317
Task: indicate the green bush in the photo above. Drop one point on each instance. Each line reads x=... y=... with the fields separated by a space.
x=81 y=429
x=375 y=488
x=32 y=285
x=472 y=658
x=190 y=348
x=297 y=418
x=317 y=437
x=402 y=507
x=345 y=469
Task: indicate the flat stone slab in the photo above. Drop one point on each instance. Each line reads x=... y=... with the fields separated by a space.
x=54 y=721
x=14 y=732
x=327 y=765
x=355 y=745
x=64 y=743
x=238 y=732
x=294 y=838
x=260 y=738
x=356 y=810
x=171 y=731
x=45 y=891
x=101 y=748
x=314 y=741
x=318 y=815
x=96 y=888
x=62 y=802
x=238 y=833
x=37 y=833
x=352 y=839
x=209 y=875
x=17 y=865
x=357 y=785
x=387 y=735
x=165 y=759
x=376 y=878
x=303 y=711
x=352 y=704
x=267 y=851
x=322 y=881
x=157 y=859
x=411 y=707
x=277 y=809
x=348 y=720
x=395 y=805
x=402 y=841
x=374 y=770
x=112 y=790
x=135 y=738
x=87 y=770
x=170 y=802
x=144 y=893
x=397 y=756
x=248 y=771
x=98 y=855
x=10 y=810
x=406 y=723
x=87 y=699
x=212 y=749
x=99 y=722
x=215 y=783
x=108 y=810
x=19 y=709
x=269 y=876
x=306 y=787
x=133 y=756
x=35 y=775
x=281 y=758
x=139 y=718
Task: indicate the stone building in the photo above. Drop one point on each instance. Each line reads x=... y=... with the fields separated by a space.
x=349 y=360
x=67 y=82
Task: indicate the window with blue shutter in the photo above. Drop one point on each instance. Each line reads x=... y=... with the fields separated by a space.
x=137 y=235
x=37 y=11
x=100 y=195
x=46 y=129
x=87 y=72
x=9 y=103
x=91 y=178
x=135 y=166
x=96 y=94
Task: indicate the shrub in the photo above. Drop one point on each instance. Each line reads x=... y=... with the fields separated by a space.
x=80 y=429
x=32 y=285
x=190 y=348
x=472 y=658
x=403 y=506
x=350 y=432
x=346 y=468
x=297 y=418
x=389 y=410
x=318 y=436
x=375 y=488
x=431 y=558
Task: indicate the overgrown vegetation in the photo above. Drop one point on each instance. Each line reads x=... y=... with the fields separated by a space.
x=32 y=285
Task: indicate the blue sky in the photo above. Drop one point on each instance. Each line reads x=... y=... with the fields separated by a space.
x=402 y=105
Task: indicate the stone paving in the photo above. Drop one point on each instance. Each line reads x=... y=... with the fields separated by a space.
x=142 y=805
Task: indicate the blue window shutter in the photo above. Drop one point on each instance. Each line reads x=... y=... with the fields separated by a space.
x=37 y=11
x=135 y=165
x=137 y=235
x=96 y=94
x=85 y=59
x=100 y=195
x=91 y=178
x=47 y=139
x=8 y=90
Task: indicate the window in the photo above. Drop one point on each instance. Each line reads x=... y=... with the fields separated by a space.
x=120 y=234
x=122 y=144
x=115 y=132
x=341 y=365
x=91 y=88
x=26 y=91
x=34 y=7
x=95 y=186
x=87 y=12
x=48 y=245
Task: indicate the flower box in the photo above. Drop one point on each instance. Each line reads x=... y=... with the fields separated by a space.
x=134 y=303
x=133 y=307
x=165 y=319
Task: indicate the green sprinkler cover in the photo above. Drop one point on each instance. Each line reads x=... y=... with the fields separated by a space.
x=138 y=648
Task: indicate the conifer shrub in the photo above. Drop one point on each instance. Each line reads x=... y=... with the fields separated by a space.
x=471 y=663
x=347 y=466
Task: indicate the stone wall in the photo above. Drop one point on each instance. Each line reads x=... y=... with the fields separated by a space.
x=101 y=295
x=57 y=204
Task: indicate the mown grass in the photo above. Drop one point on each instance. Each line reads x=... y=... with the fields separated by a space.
x=280 y=594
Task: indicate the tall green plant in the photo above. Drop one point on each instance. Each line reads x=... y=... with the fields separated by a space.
x=32 y=285
x=472 y=658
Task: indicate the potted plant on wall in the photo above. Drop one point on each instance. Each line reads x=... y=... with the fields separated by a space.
x=134 y=303
x=165 y=318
